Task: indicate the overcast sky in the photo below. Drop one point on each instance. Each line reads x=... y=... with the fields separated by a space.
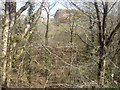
x=58 y=5
x=20 y=3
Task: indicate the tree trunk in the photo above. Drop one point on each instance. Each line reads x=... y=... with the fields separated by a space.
x=101 y=41
x=47 y=29
x=101 y=67
x=119 y=21
x=5 y=36
x=12 y=14
x=9 y=20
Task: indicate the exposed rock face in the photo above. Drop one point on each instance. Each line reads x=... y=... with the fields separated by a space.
x=64 y=15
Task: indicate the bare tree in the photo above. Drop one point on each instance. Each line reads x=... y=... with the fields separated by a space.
x=8 y=36
x=48 y=9
x=104 y=39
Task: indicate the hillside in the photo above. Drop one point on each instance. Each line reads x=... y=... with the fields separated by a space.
x=78 y=48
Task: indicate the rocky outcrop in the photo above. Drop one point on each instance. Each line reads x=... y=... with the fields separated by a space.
x=64 y=15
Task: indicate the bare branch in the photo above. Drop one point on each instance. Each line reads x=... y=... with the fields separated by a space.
x=111 y=36
x=80 y=9
x=52 y=5
x=83 y=41
x=22 y=9
x=112 y=6
x=29 y=28
x=38 y=12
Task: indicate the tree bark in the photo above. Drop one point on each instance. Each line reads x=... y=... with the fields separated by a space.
x=119 y=21
x=9 y=20
x=101 y=37
x=47 y=29
x=12 y=14
x=5 y=36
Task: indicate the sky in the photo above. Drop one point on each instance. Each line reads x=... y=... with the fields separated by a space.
x=21 y=3
x=58 y=5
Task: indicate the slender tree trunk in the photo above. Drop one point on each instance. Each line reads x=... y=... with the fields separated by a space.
x=71 y=23
x=5 y=36
x=119 y=21
x=12 y=12
x=91 y=29
x=47 y=29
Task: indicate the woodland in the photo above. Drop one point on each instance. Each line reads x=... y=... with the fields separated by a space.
x=77 y=47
